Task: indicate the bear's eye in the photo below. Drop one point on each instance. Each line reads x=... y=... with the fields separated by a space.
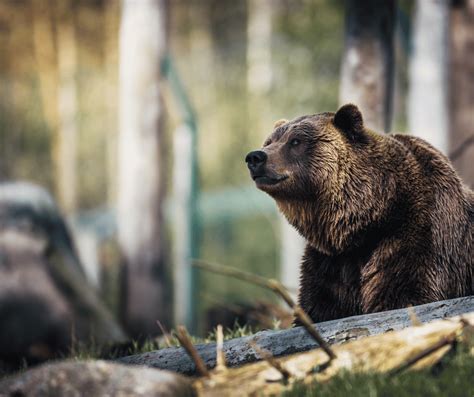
x=295 y=142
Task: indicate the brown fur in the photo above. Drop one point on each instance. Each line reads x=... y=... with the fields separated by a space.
x=387 y=221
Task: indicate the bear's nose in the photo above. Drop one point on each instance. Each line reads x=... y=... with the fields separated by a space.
x=255 y=159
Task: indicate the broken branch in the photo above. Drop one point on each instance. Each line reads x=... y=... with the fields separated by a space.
x=444 y=341
x=276 y=287
x=185 y=341
x=268 y=357
x=220 y=355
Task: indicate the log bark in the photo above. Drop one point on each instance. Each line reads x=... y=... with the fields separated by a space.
x=279 y=343
x=410 y=349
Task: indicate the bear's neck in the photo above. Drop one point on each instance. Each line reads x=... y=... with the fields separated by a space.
x=333 y=228
x=313 y=222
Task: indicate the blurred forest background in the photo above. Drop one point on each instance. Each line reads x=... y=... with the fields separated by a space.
x=225 y=71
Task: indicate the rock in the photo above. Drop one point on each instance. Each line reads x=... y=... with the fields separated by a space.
x=30 y=209
x=45 y=302
x=95 y=378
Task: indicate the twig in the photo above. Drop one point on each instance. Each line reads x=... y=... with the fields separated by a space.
x=220 y=355
x=456 y=153
x=165 y=333
x=268 y=357
x=444 y=341
x=276 y=287
x=415 y=321
x=185 y=341
x=305 y=320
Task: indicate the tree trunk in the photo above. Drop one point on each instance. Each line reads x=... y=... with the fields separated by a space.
x=259 y=56
x=143 y=44
x=65 y=146
x=461 y=81
x=46 y=63
x=414 y=348
x=368 y=60
x=111 y=16
x=427 y=99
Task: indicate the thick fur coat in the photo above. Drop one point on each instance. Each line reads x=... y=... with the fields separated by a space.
x=388 y=222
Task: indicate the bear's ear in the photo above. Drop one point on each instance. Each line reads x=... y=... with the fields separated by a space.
x=279 y=123
x=349 y=120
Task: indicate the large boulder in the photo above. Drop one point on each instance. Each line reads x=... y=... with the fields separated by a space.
x=95 y=379
x=29 y=208
x=46 y=305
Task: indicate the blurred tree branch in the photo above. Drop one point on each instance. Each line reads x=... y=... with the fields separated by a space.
x=461 y=88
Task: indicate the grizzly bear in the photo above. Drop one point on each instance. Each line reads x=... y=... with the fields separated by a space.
x=387 y=221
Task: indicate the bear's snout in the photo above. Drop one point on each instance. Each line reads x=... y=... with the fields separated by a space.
x=255 y=160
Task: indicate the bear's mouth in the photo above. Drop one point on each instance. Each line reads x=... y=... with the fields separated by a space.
x=267 y=180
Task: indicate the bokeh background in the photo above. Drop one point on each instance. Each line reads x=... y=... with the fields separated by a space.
x=221 y=73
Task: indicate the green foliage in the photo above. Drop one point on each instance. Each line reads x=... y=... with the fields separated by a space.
x=249 y=243
x=309 y=43
x=237 y=331
x=90 y=351
x=25 y=142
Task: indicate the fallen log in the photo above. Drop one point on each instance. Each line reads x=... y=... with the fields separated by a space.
x=413 y=348
x=409 y=349
x=279 y=343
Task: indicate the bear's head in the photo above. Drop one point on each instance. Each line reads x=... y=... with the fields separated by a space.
x=303 y=156
x=305 y=164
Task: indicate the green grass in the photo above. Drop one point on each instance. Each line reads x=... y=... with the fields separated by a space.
x=454 y=377
x=90 y=351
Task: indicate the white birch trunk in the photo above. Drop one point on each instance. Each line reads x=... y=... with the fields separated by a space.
x=141 y=182
x=427 y=98
x=259 y=56
x=182 y=190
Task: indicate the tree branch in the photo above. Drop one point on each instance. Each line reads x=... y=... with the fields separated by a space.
x=276 y=287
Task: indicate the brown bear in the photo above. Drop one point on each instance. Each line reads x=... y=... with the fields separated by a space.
x=388 y=222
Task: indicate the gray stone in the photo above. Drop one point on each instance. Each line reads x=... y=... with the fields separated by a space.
x=95 y=379
x=45 y=302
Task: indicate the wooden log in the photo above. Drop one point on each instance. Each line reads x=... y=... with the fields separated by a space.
x=413 y=348
x=279 y=343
